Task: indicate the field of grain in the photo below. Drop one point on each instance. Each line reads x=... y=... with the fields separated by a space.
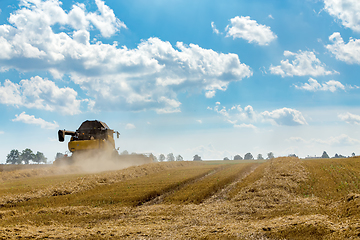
x=283 y=198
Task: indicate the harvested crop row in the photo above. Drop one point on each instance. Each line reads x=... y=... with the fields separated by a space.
x=201 y=190
x=271 y=189
x=13 y=192
x=133 y=192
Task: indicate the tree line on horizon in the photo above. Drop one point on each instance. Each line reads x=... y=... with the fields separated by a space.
x=27 y=155
x=325 y=155
x=248 y=156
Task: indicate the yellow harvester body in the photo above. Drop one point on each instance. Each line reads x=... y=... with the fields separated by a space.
x=101 y=144
x=91 y=135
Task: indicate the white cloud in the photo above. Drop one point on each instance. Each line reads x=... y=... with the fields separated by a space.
x=314 y=86
x=345 y=10
x=270 y=16
x=245 y=117
x=341 y=140
x=106 y=21
x=37 y=14
x=146 y=77
x=305 y=63
x=215 y=30
x=130 y=126
x=285 y=116
x=346 y=52
x=2 y=132
x=199 y=121
x=40 y=94
x=30 y=119
x=250 y=30
x=350 y=118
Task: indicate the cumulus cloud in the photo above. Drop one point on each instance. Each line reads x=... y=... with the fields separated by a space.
x=250 y=30
x=314 y=86
x=146 y=77
x=30 y=119
x=305 y=63
x=130 y=126
x=49 y=13
x=246 y=117
x=106 y=21
x=347 y=11
x=350 y=118
x=346 y=52
x=285 y=116
x=40 y=93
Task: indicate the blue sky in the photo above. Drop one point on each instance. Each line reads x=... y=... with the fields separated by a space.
x=213 y=78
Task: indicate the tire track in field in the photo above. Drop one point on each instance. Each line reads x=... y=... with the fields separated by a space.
x=159 y=199
x=203 y=188
x=223 y=193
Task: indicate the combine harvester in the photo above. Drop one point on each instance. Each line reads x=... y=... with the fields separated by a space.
x=93 y=143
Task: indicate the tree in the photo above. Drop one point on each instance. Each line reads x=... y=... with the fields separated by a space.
x=325 y=155
x=197 y=158
x=353 y=154
x=161 y=157
x=248 y=156
x=293 y=155
x=237 y=157
x=260 y=157
x=125 y=152
x=270 y=155
x=179 y=158
x=59 y=155
x=339 y=156
x=40 y=158
x=226 y=158
x=27 y=155
x=170 y=157
x=13 y=157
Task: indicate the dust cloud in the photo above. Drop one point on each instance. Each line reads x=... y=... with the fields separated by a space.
x=99 y=161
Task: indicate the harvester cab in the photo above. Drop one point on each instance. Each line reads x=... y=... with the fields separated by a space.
x=91 y=135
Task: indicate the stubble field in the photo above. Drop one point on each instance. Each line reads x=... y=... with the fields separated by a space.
x=283 y=198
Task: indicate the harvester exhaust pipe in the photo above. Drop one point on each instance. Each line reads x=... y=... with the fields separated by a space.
x=62 y=133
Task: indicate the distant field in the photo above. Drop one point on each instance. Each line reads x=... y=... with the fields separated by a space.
x=14 y=167
x=285 y=198
x=332 y=178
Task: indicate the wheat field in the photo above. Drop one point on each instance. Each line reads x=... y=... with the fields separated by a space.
x=282 y=198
